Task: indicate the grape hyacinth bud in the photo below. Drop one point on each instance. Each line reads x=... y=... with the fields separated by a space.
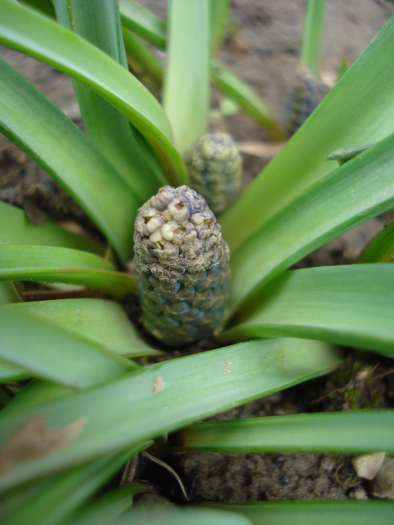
x=307 y=93
x=214 y=163
x=181 y=264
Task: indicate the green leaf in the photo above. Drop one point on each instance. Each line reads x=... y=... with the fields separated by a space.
x=186 y=85
x=334 y=433
x=233 y=88
x=99 y=23
x=146 y=403
x=150 y=27
x=10 y=372
x=316 y=512
x=40 y=129
x=143 y=23
x=380 y=248
x=8 y=293
x=103 y=322
x=107 y=508
x=311 y=38
x=348 y=305
x=55 y=499
x=340 y=201
x=45 y=40
x=19 y=230
x=180 y=516
x=63 y=265
x=359 y=109
x=219 y=10
x=54 y=354
x=141 y=59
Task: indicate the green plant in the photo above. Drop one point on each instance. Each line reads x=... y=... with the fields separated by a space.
x=90 y=407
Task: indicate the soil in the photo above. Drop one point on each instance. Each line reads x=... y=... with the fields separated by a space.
x=262 y=48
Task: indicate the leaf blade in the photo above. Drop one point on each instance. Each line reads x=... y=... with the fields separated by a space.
x=257 y=368
x=55 y=355
x=45 y=40
x=101 y=321
x=356 y=432
x=332 y=206
x=357 y=110
x=43 y=263
x=349 y=305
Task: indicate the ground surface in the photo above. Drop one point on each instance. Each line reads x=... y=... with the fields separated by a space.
x=263 y=50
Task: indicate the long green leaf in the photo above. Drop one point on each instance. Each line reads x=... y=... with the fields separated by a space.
x=10 y=372
x=336 y=433
x=186 y=83
x=141 y=59
x=143 y=23
x=8 y=293
x=316 y=512
x=311 y=39
x=380 y=248
x=359 y=109
x=360 y=189
x=219 y=10
x=103 y=322
x=107 y=508
x=349 y=305
x=55 y=499
x=40 y=129
x=51 y=353
x=45 y=40
x=246 y=99
x=98 y=21
x=19 y=230
x=151 y=28
x=146 y=404
x=180 y=516
x=63 y=265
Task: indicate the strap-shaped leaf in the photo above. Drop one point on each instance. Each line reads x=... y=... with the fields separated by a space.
x=311 y=38
x=380 y=248
x=143 y=23
x=163 y=397
x=8 y=293
x=53 y=499
x=51 y=353
x=179 y=516
x=63 y=265
x=360 y=189
x=10 y=372
x=359 y=109
x=19 y=230
x=186 y=94
x=40 y=129
x=246 y=99
x=107 y=508
x=315 y=512
x=98 y=21
x=45 y=40
x=353 y=432
x=103 y=322
x=349 y=305
x=153 y=29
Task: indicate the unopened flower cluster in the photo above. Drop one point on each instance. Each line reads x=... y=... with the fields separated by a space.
x=181 y=263
x=214 y=163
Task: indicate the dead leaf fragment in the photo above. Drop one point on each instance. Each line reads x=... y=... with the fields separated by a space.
x=33 y=439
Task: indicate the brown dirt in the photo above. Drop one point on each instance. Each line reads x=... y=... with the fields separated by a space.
x=262 y=49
